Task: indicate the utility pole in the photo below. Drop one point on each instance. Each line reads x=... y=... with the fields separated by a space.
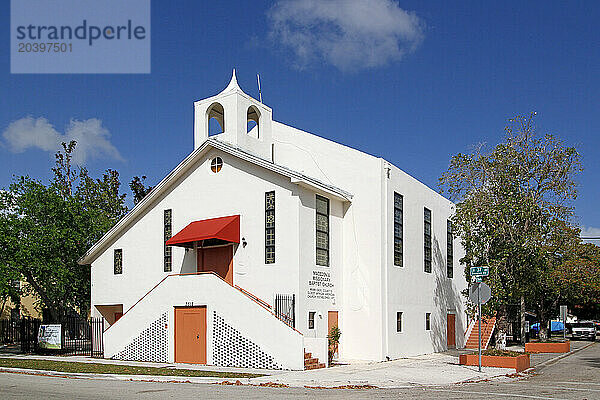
x=522 y=319
x=479 y=315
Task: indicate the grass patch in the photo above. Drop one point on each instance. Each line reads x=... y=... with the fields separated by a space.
x=502 y=353
x=98 y=368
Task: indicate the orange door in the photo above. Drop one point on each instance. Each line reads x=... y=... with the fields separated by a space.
x=218 y=260
x=332 y=320
x=190 y=335
x=451 y=330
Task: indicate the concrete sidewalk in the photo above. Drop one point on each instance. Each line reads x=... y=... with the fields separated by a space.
x=431 y=369
x=427 y=370
x=439 y=369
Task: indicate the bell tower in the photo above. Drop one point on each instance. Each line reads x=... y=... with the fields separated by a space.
x=245 y=122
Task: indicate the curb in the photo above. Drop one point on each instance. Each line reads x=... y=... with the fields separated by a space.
x=116 y=377
x=558 y=358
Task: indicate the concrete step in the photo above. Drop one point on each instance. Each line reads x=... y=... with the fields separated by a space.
x=309 y=361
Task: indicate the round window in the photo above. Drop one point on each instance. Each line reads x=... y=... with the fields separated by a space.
x=216 y=164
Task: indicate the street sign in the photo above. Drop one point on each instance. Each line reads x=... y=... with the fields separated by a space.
x=563 y=313
x=479 y=294
x=485 y=293
x=480 y=271
x=478 y=279
x=563 y=317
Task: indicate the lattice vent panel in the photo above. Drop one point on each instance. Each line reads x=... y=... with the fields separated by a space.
x=231 y=349
x=151 y=345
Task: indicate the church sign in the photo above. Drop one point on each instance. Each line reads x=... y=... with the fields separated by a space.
x=320 y=286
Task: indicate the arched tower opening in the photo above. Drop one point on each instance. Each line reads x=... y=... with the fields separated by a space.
x=253 y=122
x=215 y=116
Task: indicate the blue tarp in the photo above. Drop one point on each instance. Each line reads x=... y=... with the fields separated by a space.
x=556 y=326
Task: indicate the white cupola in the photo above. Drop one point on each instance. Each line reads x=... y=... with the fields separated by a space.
x=244 y=121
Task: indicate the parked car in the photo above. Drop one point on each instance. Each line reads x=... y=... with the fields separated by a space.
x=584 y=330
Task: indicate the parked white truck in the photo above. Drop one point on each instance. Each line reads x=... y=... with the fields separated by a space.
x=584 y=330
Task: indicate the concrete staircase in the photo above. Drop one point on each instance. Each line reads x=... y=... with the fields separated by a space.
x=311 y=363
x=487 y=329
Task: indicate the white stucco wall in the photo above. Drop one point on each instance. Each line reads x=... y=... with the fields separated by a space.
x=360 y=302
x=200 y=195
x=410 y=290
x=372 y=288
x=251 y=320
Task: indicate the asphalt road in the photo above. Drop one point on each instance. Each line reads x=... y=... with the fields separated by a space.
x=574 y=377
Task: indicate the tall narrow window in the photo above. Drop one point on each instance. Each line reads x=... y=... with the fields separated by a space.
x=428 y=321
x=322 y=224
x=449 y=250
x=269 y=227
x=399 y=321
x=427 y=239
x=398 y=238
x=168 y=231
x=311 y=319
x=118 y=261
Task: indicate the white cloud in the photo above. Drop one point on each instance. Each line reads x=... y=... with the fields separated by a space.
x=351 y=34
x=93 y=140
x=588 y=231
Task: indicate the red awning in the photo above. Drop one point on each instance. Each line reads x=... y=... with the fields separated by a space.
x=223 y=228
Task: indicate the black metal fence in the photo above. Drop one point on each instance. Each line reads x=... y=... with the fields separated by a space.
x=82 y=337
x=285 y=305
x=29 y=333
x=79 y=336
x=10 y=331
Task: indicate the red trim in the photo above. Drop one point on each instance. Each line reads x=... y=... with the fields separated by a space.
x=253 y=297
x=223 y=228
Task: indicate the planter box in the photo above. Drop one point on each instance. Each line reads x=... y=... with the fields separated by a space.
x=519 y=363
x=553 y=347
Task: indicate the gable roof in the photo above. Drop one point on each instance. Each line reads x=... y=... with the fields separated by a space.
x=295 y=177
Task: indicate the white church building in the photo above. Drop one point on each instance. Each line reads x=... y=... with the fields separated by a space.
x=265 y=237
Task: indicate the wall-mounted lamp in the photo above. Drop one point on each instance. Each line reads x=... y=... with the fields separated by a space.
x=244 y=243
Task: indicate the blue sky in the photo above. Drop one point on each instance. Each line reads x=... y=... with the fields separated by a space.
x=414 y=82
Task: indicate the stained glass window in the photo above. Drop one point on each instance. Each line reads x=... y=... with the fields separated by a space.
x=269 y=227
x=322 y=231
x=118 y=261
x=168 y=260
x=449 y=249
x=427 y=239
x=398 y=230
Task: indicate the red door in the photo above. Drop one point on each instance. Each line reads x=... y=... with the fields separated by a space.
x=218 y=260
x=190 y=335
x=451 y=330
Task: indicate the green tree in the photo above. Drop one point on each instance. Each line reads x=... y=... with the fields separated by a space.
x=514 y=213
x=578 y=281
x=47 y=228
x=139 y=188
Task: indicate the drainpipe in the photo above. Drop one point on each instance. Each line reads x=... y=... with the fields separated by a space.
x=385 y=177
